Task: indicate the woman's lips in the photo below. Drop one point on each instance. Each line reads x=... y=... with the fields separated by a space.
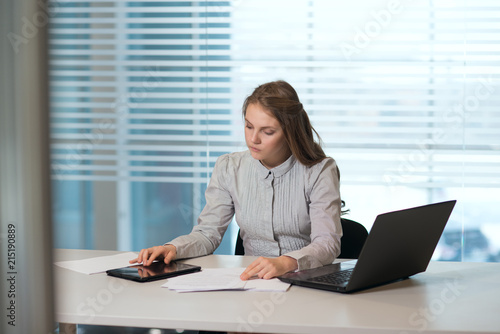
x=254 y=149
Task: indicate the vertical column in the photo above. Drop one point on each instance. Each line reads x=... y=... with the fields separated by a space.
x=25 y=198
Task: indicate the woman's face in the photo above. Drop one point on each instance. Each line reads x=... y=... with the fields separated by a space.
x=264 y=137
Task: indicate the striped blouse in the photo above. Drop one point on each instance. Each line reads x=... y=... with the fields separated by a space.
x=291 y=210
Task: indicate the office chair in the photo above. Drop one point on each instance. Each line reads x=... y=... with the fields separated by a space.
x=239 y=249
x=351 y=243
x=353 y=239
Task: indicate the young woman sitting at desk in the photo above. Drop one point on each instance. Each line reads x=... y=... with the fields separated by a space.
x=283 y=190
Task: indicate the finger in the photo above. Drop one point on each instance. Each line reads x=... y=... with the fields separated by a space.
x=251 y=270
x=138 y=259
x=169 y=257
x=155 y=253
x=141 y=255
x=146 y=256
x=268 y=275
x=269 y=271
x=246 y=274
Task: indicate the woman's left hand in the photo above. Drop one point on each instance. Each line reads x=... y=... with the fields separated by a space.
x=268 y=268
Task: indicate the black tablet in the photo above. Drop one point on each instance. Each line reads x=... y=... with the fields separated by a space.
x=153 y=272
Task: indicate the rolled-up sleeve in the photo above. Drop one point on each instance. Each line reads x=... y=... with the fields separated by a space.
x=324 y=212
x=213 y=220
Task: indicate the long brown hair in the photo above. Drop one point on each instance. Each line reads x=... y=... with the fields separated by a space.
x=282 y=101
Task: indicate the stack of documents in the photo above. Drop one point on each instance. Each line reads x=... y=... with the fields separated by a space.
x=213 y=279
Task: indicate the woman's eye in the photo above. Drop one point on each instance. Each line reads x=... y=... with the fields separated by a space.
x=269 y=133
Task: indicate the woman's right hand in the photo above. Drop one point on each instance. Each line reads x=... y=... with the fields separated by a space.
x=146 y=256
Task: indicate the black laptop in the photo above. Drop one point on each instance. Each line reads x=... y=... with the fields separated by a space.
x=400 y=244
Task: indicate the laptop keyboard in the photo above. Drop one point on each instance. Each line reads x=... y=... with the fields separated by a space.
x=335 y=278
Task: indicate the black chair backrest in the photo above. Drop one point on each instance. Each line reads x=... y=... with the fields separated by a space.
x=353 y=239
x=351 y=243
x=239 y=250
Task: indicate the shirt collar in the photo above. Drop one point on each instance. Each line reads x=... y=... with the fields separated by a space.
x=276 y=171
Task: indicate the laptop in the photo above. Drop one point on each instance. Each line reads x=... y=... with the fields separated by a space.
x=400 y=244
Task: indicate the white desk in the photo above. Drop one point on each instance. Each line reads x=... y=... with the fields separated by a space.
x=447 y=298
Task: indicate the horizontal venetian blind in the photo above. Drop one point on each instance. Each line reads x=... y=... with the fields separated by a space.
x=134 y=94
x=402 y=93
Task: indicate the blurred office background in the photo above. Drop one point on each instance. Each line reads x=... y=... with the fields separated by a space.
x=145 y=95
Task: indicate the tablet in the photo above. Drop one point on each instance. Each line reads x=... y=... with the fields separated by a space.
x=153 y=272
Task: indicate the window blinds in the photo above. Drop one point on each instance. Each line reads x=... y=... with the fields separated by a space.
x=401 y=92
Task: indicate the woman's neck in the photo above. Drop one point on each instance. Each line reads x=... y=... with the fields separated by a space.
x=275 y=164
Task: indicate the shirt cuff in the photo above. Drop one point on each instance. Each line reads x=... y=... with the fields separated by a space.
x=304 y=261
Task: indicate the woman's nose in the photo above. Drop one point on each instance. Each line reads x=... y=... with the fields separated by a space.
x=255 y=138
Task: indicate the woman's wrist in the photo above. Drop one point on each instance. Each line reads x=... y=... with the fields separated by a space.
x=290 y=263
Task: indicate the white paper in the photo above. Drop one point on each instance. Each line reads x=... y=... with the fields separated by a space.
x=99 y=264
x=212 y=279
x=207 y=280
x=273 y=284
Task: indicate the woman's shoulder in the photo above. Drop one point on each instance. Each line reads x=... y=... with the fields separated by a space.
x=326 y=167
x=326 y=163
x=234 y=157
x=233 y=160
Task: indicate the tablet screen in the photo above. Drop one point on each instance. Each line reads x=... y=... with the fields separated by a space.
x=155 y=271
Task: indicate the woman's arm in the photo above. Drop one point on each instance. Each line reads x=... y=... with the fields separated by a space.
x=212 y=223
x=324 y=212
x=214 y=218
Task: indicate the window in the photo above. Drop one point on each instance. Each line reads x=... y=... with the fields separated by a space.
x=146 y=95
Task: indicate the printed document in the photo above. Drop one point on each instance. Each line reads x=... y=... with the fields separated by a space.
x=212 y=279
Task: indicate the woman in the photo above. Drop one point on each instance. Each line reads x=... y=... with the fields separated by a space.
x=283 y=190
